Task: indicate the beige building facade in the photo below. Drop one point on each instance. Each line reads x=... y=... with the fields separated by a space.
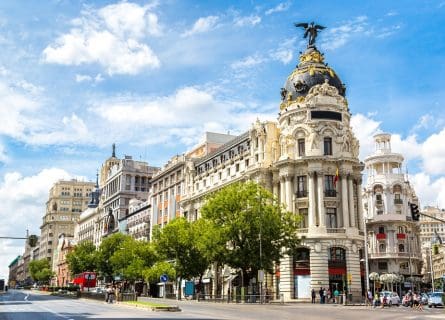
x=67 y=199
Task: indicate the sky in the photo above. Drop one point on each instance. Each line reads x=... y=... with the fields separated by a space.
x=153 y=76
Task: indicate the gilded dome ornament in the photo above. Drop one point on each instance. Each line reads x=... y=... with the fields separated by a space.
x=311 y=69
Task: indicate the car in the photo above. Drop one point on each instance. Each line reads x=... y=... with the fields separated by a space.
x=424 y=298
x=391 y=298
x=435 y=299
x=98 y=290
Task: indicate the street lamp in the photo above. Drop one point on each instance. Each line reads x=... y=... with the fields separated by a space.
x=366 y=254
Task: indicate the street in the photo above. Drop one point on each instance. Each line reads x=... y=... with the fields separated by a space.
x=18 y=305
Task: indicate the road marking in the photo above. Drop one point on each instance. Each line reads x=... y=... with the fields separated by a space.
x=26 y=298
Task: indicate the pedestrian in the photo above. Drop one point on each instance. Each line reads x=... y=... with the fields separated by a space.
x=369 y=297
x=330 y=295
x=325 y=295
x=320 y=292
x=313 y=295
x=336 y=294
x=376 y=299
x=228 y=295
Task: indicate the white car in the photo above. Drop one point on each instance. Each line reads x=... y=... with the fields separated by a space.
x=435 y=299
x=392 y=298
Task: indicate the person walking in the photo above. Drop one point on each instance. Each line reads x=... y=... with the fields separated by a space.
x=336 y=296
x=313 y=295
x=320 y=292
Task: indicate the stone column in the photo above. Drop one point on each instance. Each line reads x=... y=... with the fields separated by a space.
x=344 y=200
x=276 y=186
x=282 y=191
x=311 y=210
x=321 y=209
x=351 y=202
x=287 y=277
x=360 y=205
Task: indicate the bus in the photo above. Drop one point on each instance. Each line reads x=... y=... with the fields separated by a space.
x=85 y=280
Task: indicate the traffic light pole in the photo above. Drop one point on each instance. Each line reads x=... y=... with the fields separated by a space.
x=434 y=218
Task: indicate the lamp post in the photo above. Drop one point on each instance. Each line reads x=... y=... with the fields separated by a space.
x=431 y=268
x=366 y=254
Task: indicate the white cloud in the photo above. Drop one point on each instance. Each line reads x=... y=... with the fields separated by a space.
x=111 y=37
x=433 y=153
x=251 y=20
x=87 y=78
x=337 y=37
x=16 y=108
x=429 y=191
x=365 y=128
x=182 y=116
x=284 y=6
x=3 y=155
x=23 y=206
x=285 y=52
x=203 y=24
x=72 y=129
x=248 y=62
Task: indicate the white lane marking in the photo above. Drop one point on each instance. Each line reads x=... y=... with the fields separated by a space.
x=26 y=298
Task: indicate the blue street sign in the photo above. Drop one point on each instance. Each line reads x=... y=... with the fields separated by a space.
x=163 y=278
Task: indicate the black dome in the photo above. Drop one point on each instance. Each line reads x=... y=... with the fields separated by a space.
x=310 y=71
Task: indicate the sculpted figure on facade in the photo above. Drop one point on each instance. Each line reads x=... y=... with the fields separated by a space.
x=314 y=138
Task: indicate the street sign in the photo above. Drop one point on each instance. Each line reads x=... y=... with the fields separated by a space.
x=163 y=278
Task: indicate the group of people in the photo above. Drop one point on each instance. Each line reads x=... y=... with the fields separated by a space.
x=414 y=300
x=326 y=295
x=110 y=294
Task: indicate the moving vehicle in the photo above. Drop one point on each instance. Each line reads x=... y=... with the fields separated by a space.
x=85 y=280
x=435 y=299
x=390 y=298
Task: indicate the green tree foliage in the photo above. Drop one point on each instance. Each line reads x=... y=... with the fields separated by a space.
x=40 y=271
x=178 y=242
x=132 y=258
x=153 y=273
x=246 y=215
x=106 y=250
x=82 y=258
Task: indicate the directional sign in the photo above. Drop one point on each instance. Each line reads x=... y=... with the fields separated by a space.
x=163 y=278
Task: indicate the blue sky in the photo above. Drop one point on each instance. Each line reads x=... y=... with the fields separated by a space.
x=153 y=76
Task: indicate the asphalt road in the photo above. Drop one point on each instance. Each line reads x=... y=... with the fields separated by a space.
x=30 y=305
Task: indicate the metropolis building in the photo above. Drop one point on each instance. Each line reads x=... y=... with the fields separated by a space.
x=309 y=161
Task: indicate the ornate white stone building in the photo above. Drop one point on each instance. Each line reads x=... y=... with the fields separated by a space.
x=309 y=160
x=393 y=237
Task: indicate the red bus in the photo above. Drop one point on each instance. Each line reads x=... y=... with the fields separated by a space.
x=85 y=280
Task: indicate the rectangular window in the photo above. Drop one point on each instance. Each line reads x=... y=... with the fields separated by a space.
x=301 y=147
x=301 y=187
x=304 y=223
x=329 y=188
x=383 y=266
x=246 y=163
x=237 y=167
x=331 y=217
x=327 y=146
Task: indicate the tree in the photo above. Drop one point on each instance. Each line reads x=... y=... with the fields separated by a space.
x=106 y=250
x=255 y=229
x=40 y=271
x=82 y=258
x=132 y=258
x=160 y=268
x=177 y=242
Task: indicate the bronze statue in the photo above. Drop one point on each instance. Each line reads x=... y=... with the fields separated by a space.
x=311 y=30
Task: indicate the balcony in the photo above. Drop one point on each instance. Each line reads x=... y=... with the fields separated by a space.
x=379 y=202
x=335 y=230
x=301 y=194
x=330 y=193
x=398 y=201
x=401 y=236
x=380 y=236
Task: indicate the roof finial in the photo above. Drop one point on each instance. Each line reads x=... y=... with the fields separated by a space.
x=113 y=154
x=310 y=29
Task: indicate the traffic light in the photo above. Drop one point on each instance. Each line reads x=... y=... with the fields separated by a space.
x=415 y=213
x=32 y=240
